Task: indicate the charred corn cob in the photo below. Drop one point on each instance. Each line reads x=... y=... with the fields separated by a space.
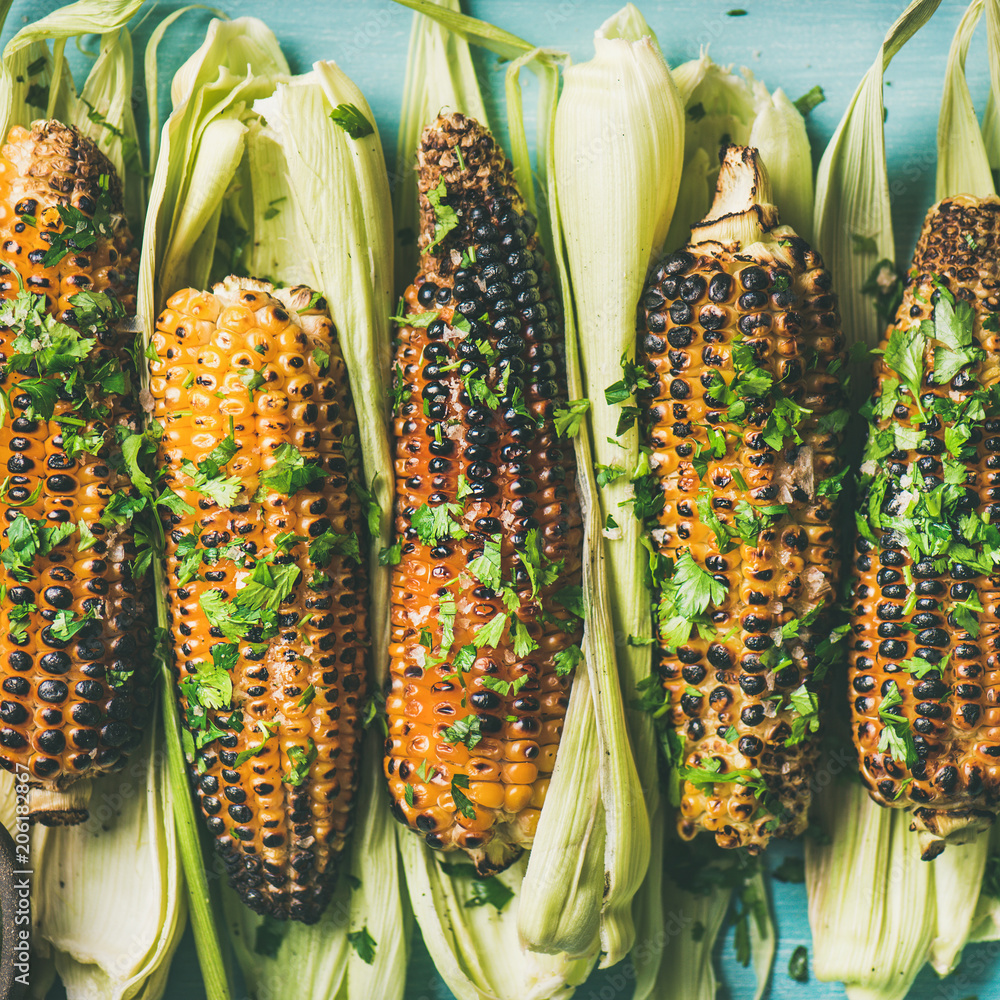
x=267 y=595
x=924 y=602
x=75 y=674
x=741 y=342
x=485 y=594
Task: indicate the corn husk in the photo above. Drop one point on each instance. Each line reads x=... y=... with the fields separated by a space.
x=991 y=121
x=918 y=911
x=722 y=106
x=474 y=955
x=852 y=218
x=986 y=919
x=632 y=174
x=871 y=866
x=112 y=937
x=348 y=256
x=250 y=155
x=963 y=166
x=211 y=96
x=560 y=909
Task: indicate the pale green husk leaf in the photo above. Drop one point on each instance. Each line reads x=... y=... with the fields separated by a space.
x=723 y=106
x=560 y=905
x=103 y=108
x=852 y=218
x=986 y=919
x=871 y=866
x=614 y=200
x=113 y=937
x=962 y=166
x=480 y=956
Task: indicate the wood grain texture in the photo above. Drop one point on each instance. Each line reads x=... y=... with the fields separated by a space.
x=789 y=44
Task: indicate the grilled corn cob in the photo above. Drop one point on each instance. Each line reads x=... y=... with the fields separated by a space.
x=487 y=519
x=75 y=676
x=924 y=600
x=266 y=600
x=741 y=340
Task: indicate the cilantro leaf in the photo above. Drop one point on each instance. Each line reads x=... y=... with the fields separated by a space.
x=466 y=730
x=569 y=418
x=432 y=524
x=896 y=737
x=290 y=472
x=300 y=761
x=486 y=567
x=567 y=659
x=490 y=634
x=445 y=217
x=462 y=802
x=488 y=891
x=330 y=543
x=363 y=944
x=352 y=121
x=904 y=354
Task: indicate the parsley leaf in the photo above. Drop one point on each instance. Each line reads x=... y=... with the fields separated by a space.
x=330 y=543
x=462 y=802
x=352 y=121
x=896 y=737
x=567 y=659
x=290 y=472
x=486 y=567
x=300 y=761
x=465 y=731
x=432 y=524
x=445 y=217
x=569 y=418
x=491 y=633
x=363 y=944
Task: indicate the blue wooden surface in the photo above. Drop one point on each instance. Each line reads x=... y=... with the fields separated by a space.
x=793 y=44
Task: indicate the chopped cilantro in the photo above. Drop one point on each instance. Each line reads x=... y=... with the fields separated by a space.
x=432 y=524
x=363 y=944
x=330 y=543
x=896 y=738
x=489 y=891
x=569 y=418
x=290 y=472
x=486 y=567
x=466 y=730
x=462 y=802
x=300 y=761
x=445 y=217
x=352 y=121
x=567 y=659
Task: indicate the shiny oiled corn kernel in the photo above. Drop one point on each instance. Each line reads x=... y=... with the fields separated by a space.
x=741 y=345
x=258 y=370
x=475 y=719
x=75 y=693
x=923 y=671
